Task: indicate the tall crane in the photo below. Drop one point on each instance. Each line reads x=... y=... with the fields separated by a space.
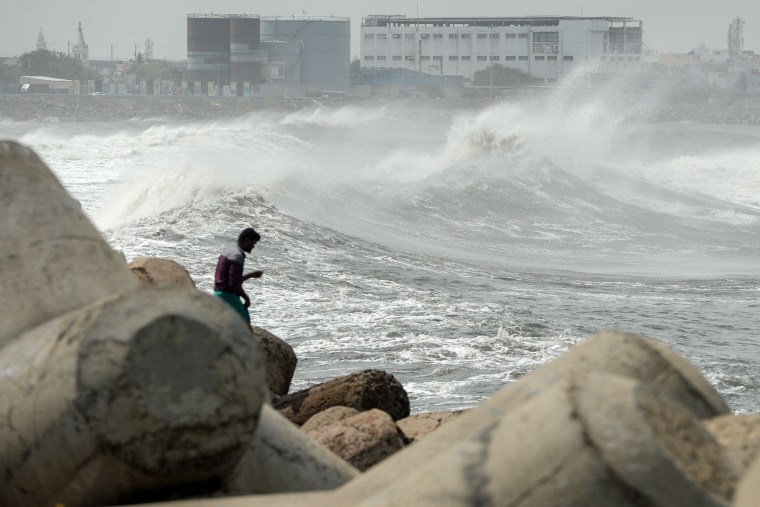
x=735 y=37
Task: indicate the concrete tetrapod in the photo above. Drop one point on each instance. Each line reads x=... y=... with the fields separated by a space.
x=151 y=388
x=617 y=352
x=283 y=459
x=748 y=490
x=598 y=439
x=52 y=259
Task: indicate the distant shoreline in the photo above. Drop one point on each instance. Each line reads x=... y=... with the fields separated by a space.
x=40 y=108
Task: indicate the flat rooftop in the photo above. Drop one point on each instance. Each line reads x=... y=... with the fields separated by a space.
x=400 y=20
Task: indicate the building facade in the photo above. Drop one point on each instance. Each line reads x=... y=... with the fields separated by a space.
x=325 y=47
x=546 y=47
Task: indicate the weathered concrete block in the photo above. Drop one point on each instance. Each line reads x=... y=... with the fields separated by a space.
x=280 y=360
x=282 y=459
x=364 y=390
x=740 y=437
x=155 y=271
x=748 y=490
x=616 y=352
x=150 y=389
x=52 y=259
x=600 y=440
x=416 y=426
x=364 y=439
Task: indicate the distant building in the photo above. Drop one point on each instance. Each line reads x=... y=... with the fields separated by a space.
x=80 y=50
x=232 y=54
x=325 y=46
x=43 y=84
x=678 y=58
x=546 y=47
x=223 y=53
x=41 y=44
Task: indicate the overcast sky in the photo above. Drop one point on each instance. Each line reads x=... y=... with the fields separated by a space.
x=669 y=25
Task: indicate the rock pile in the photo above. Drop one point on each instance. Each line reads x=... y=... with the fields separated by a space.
x=124 y=388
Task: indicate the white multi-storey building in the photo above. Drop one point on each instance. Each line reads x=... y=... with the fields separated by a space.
x=545 y=46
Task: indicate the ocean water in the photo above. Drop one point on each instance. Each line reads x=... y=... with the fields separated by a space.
x=457 y=248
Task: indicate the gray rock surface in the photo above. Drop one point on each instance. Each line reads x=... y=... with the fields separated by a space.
x=416 y=426
x=740 y=437
x=52 y=259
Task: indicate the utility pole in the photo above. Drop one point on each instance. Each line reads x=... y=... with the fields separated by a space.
x=135 y=52
x=113 y=46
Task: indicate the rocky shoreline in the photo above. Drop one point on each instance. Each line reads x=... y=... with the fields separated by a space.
x=38 y=108
x=125 y=384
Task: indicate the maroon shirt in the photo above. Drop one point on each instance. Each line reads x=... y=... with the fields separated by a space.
x=229 y=269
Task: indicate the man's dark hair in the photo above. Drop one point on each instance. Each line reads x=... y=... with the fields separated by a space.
x=249 y=233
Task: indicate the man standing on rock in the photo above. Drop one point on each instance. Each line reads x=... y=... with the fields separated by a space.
x=229 y=277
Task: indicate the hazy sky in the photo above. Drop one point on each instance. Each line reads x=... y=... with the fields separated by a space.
x=669 y=25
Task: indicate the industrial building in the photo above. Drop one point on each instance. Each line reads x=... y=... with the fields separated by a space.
x=235 y=54
x=323 y=43
x=546 y=47
x=223 y=53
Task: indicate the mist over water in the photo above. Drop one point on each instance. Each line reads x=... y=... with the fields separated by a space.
x=457 y=249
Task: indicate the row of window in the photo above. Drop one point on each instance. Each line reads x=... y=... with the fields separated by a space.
x=537 y=36
x=495 y=58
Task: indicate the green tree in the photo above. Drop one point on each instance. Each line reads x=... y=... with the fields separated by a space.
x=42 y=62
x=8 y=74
x=152 y=70
x=503 y=76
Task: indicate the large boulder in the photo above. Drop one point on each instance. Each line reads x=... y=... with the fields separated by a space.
x=280 y=360
x=748 y=490
x=155 y=271
x=364 y=390
x=363 y=440
x=328 y=417
x=616 y=352
x=597 y=439
x=52 y=259
x=740 y=437
x=148 y=390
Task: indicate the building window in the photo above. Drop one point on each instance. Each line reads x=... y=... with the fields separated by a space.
x=545 y=36
x=552 y=57
x=438 y=36
x=382 y=36
x=494 y=58
x=482 y=58
x=439 y=58
x=538 y=58
x=381 y=57
x=452 y=58
x=369 y=58
x=453 y=36
x=509 y=58
x=509 y=35
x=424 y=36
x=522 y=58
x=409 y=58
x=409 y=36
x=424 y=58
x=522 y=35
x=369 y=35
x=494 y=36
x=396 y=35
x=482 y=36
x=466 y=58
x=465 y=35
x=567 y=58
